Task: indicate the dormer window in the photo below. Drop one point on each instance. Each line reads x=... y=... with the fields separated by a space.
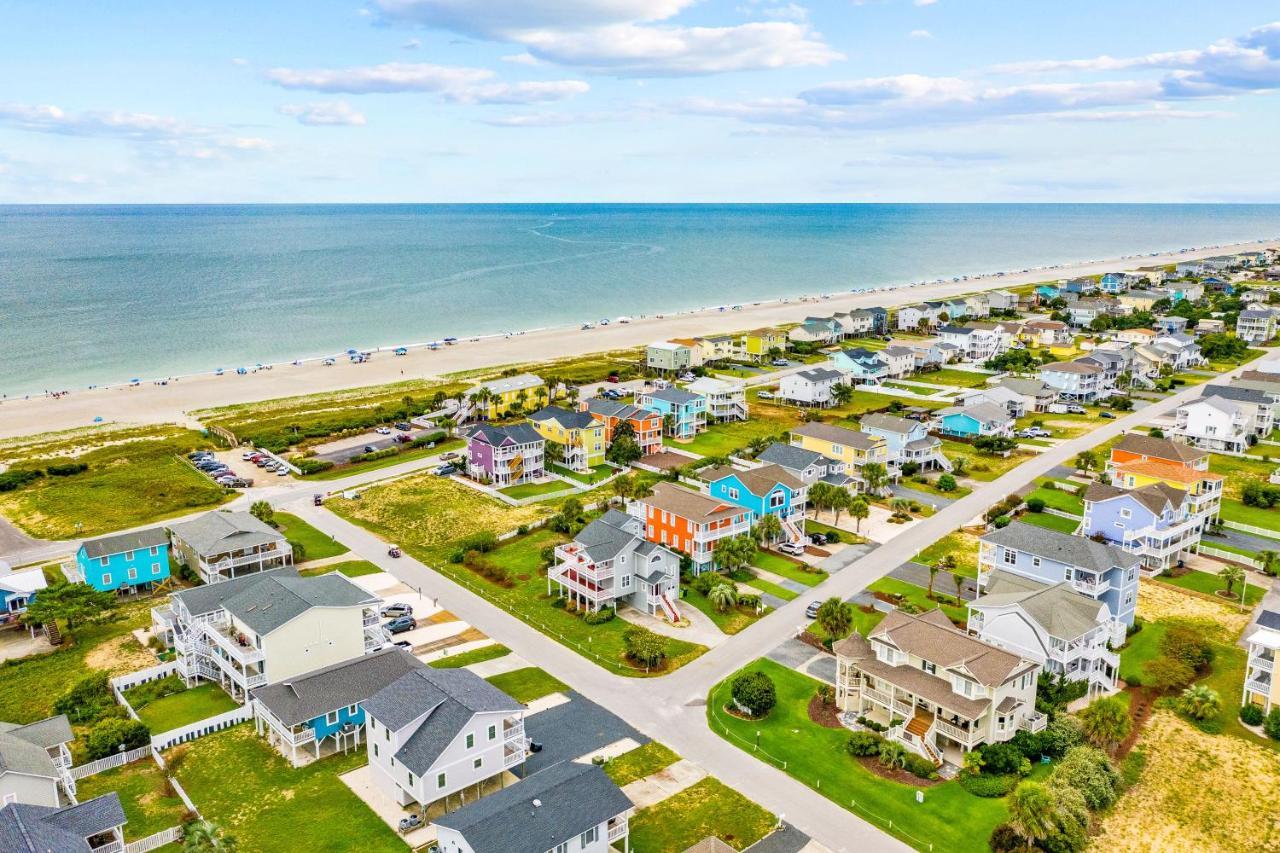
x=928 y=667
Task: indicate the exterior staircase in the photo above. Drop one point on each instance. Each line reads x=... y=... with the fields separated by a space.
x=669 y=608
x=792 y=532
x=918 y=727
x=51 y=631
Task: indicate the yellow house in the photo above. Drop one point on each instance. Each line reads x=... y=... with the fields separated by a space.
x=854 y=448
x=579 y=434
x=757 y=343
x=1138 y=300
x=522 y=392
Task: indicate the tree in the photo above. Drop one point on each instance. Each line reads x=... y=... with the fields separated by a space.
x=893 y=754
x=733 y=553
x=1032 y=812
x=758 y=445
x=73 y=603
x=820 y=497
x=204 y=836
x=264 y=512
x=623 y=450
x=1167 y=673
x=841 y=393
x=836 y=617
x=754 y=692
x=946 y=483
x=1269 y=560
x=1183 y=642
x=644 y=646
x=1106 y=723
x=959 y=465
x=623 y=487
x=723 y=596
x=1231 y=575
x=859 y=509
x=933 y=574
x=1086 y=460
x=115 y=734
x=958 y=580
x=1200 y=702
x=1271 y=724
x=767 y=529
x=841 y=500
x=1090 y=772
x=874 y=476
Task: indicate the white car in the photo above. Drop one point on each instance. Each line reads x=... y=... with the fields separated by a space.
x=764 y=395
x=793 y=548
x=779 y=362
x=383 y=430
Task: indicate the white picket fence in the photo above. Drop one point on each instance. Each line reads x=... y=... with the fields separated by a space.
x=1270 y=532
x=142 y=676
x=120 y=758
x=1230 y=555
x=208 y=726
x=152 y=842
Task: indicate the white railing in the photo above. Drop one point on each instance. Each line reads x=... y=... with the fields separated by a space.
x=244 y=654
x=307 y=735
x=617 y=830
x=142 y=676
x=963 y=736
x=1090 y=587
x=579 y=588
x=120 y=758
x=1257 y=685
x=1264 y=664
x=116 y=846
x=208 y=726
x=1230 y=555
x=1035 y=722
x=152 y=842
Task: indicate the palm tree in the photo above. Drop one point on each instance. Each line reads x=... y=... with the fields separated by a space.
x=835 y=617
x=1086 y=460
x=203 y=836
x=859 y=509
x=1105 y=723
x=959 y=582
x=819 y=498
x=723 y=596
x=1268 y=560
x=840 y=501
x=841 y=393
x=540 y=395
x=875 y=476
x=959 y=464
x=893 y=754
x=734 y=553
x=933 y=574
x=1231 y=575
x=768 y=529
x=1033 y=812
x=758 y=445
x=1200 y=702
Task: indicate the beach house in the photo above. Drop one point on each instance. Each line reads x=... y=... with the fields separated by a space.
x=505 y=455
x=808 y=466
x=1002 y=300
x=223 y=544
x=922 y=315
x=766 y=490
x=1081 y=286
x=1045 y=333
x=1213 y=423
x=1084 y=311
x=1013 y=402
x=432 y=733
x=611 y=562
x=684 y=413
x=18 y=587
x=975 y=421
x=35 y=763
x=689 y=522
x=578 y=437
x=901 y=360
x=1075 y=380
x=1170 y=324
x=977 y=306
x=318 y=713
x=1048 y=292
x=812 y=387
x=1113 y=282
x=93 y=826
x=906 y=441
x=125 y=562
x=815 y=330
x=1257 y=325
x=716 y=348
x=1156 y=522
x=1260 y=405
x=569 y=807
x=870 y=321
x=860 y=366
x=854 y=448
x=646 y=426
x=725 y=400
x=1139 y=300
x=1170 y=463
x=760 y=345
x=939 y=691
x=1066 y=633
x=267 y=627
x=1137 y=337
x=1036 y=395
x=518 y=393
x=672 y=356
x=1261 y=682
x=1099 y=570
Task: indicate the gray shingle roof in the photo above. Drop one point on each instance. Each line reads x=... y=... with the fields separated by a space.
x=1240 y=395
x=819 y=374
x=608 y=535
x=39 y=829
x=447 y=697
x=307 y=696
x=672 y=394
x=276 y=600
x=46 y=733
x=564 y=417
x=837 y=434
x=208 y=598
x=791 y=458
x=1062 y=547
x=613 y=409
x=498 y=435
x=571 y=799
x=1057 y=608
x=220 y=532
x=23 y=756
x=121 y=542
x=888 y=423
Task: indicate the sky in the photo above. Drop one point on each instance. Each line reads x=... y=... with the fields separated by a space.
x=639 y=101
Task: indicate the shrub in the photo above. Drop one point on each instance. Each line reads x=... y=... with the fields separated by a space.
x=430 y=438
x=984 y=785
x=145 y=694
x=863 y=744
x=1167 y=673
x=484 y=542
x=1005 y=839
x=1035 y=504
x=946 y=483
x=66 y=469
x=312 y=466
x=107 y=736
x=1271 y=724
x=1001 y=521
x=1184 y=643
x=1251 y=715
x=872 y=724
x=833 y=536
x=1200 y=703
x=88 y=700
x=599 y=617
x=644 y=646
x=703 y=582
x=749 y=602
x=1060 y=736
x=754 y=692
x=1000 y=759
x=1252 y=494
x=1090 y=772
x=10 y=480
x=919 y=766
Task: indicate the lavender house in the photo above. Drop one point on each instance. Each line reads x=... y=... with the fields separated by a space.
x=505 y=455
x=1154 y=521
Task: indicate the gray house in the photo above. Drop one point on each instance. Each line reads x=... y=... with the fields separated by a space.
x=222 y=545
x=567 y=808
x=94 y=826
x=35 y=763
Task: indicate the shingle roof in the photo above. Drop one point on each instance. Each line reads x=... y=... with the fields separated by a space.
x=1154 y=496
x=208 y=598
x=45 y=733
x=19 y=755
x=933 y=637
x=837 y=435
x=523 y=381
x=520 y=433
x=267 y=605
x=540 y=812
x=312 y=694
x=685 y=503
x=221 y=531
x=1239 y=395
x=1027 y=387
x=888 y=423
x=819 y=374
x=988 y=413
x=1062 y=547
x=26 y=828
x=759 y=481
x=1160 y=448
x=564 y=417
x=1071 y=367
x=1057 y=608
x=121 y=542
x=607 y=536
x=1166 y=471
x=448 y=698
x=672 y=394
x=791 y=458
x=612 y=409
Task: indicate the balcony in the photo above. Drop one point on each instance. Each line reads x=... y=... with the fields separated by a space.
x=113 y=846
x=1034 y=722
x=234 y=644
x=1262 y=664
x=573 y=556
x=617 y=829
x=706 y=534
x=1090 y=585
x=963 y=736
x=581 y=587
x=882 y=698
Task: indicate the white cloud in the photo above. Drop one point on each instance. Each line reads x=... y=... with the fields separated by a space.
x=521 y=59
x=920 y=34
x=624 y=37
x=325 y=114
x=411 y=44
x=454 y=83
x=779 y=12
x=925 y=2
x=240 y=61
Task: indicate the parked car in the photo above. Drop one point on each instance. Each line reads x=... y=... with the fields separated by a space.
x=817 y=539
x=404 y=644
x=400 y=624
x=811 y=611
x=1076 y=410
x=444 y=471
x=1033 y=432
x=317 y=499
x=793 y=548
x=395 y=608
x=687 y=377
x=765 y=395
x=610 y=394
x=448 y=457
x=369 y=448
x=534 y=746
x=249 y=454
x=613 y=377
x=283 y=471
x=780 y=362
x=404 y=426
x=383 y=430
x=403 y=438
x=1108 y=415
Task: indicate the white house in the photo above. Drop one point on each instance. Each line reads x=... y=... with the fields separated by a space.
x=977 y=342
x=1036 y=395
x=93 y=826
x=609 y=562
x=726 y=401
x=812 y=387
x=17 y=588
x=220 y=545
x=901 y=360
x=1010 y=400
x=1257 y=325
x=1002 y=300
x=1213 y=423
x=35 y=764
x=911 y=316
x=434 y=732
x=1075 y=380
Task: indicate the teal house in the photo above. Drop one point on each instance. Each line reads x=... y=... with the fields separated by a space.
x=125 y=562
x=767 y=490
x=684 y=414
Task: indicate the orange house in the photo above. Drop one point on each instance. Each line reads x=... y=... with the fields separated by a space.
x=690 y=522
x=647 y=425
x=1144 y=448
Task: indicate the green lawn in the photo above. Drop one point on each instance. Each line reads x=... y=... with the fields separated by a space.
x=138 y=481
x=1239 y=470
x=142 y=787
x=1225 y=677
x=950 y=818
x=703 y=809
x=772 y=588
x=640 y=762
x=1059 y=500
x=525 y=685
x=1233 y=510
x=239 y=782
x=1140 y=648
x=869 y=401
x=532 y=490
x=929 y=488
x=479 y=655
x=730 y=621
x=788 y=568
x=960 y=546
x=955 y=378
x=767 y=421
x=316 y=545
x=1209 y=584
x=1050 y=522
x=189 y=706
x=589 y=478
x=350 y=568
x=863 y=622
x=982 y=466
x=412 y=455
x=918 y=596
x=1264 y=451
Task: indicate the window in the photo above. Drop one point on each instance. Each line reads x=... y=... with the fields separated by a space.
x=928 y=667
x=155 y=568
x=626 y=581
x=410 y=780
x=103 y=561
x=331 y=718
x=1125 y=513
x=388 y=735
x=493 y=732
x=733 y=494
x=477 y=764
x=563 y=847
x=106 y=579
x=133 y=574
x=440 y=780
x=776 y=500
x=10 y=798
x=591 y=836
x=1010 y=556
x=128 y=555
x=155 y=550
x=1035 y=561
x=471 y=740
x=351 y=709
x=375 y=750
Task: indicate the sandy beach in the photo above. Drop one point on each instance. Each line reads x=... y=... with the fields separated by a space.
x=153 y=403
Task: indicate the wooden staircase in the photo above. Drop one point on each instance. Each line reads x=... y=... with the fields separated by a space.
x=919 y=726
x=51 y=631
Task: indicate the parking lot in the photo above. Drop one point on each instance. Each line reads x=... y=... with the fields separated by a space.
x=345 y=449
x=246 y=471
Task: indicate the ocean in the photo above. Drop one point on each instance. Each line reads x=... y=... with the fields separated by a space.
x=98 y=294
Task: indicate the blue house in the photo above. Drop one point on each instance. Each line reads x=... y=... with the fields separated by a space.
x=1099 y=570
x=1112 y=282
x=1081 y=286
x=1154 y=521
x=767 y=490
x=125 y=561
x=862 y=364
x=977 y=420
x=17 y=590
x=319 y=712
x=684 y=414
